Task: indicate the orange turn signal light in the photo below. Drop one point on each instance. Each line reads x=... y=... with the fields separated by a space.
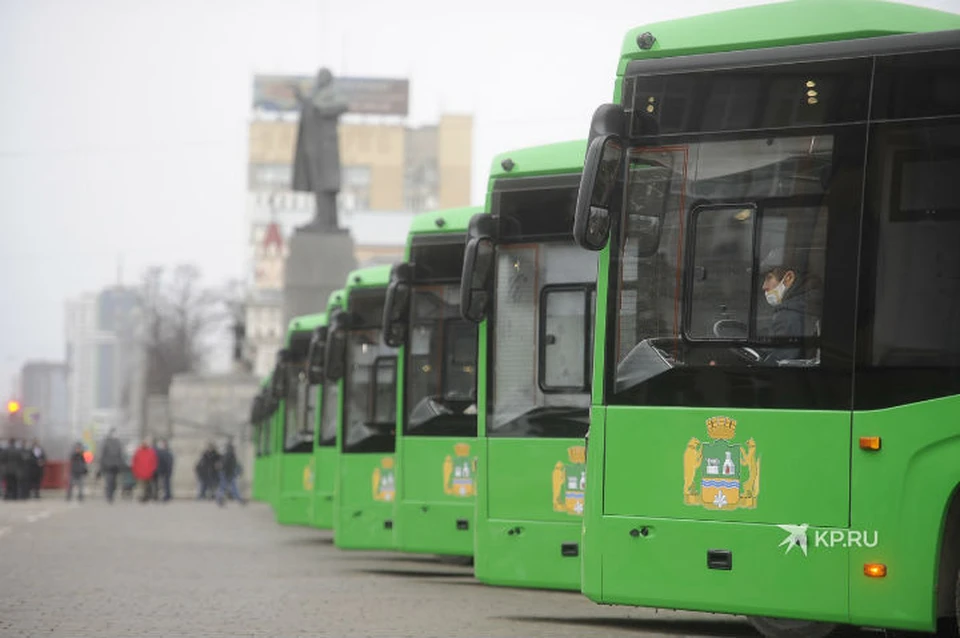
x=875 y=570
x=869 y=442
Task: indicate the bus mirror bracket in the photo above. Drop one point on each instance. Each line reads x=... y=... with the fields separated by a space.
x=315 y=355
x=601 y=171
x=476 y=279
x=279 y=385
x=396 y=308
x=335 y=355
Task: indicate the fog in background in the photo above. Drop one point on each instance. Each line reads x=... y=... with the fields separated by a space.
x=123 y=123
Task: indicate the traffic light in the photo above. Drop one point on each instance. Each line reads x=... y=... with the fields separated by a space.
x=13 y=406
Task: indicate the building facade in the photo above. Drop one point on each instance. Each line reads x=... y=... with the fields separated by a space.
x=45 y=403
x=106 y=363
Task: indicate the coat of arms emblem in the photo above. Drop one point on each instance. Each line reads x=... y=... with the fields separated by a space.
x=570 y=481
x=720 y=474
x=308 y=475
x=384 y=483
x=457 y=472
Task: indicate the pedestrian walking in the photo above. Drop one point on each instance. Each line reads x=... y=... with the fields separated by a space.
x=164 y=468
x=228 y=475
x=111 y=462
x=37 y=465
x=144 y=467
x=78 y=472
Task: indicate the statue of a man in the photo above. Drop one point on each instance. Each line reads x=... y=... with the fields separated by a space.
x=316 y=166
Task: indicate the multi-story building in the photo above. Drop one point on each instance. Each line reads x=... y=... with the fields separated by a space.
x=390 y=171
x=105 y=358
x=44 y=399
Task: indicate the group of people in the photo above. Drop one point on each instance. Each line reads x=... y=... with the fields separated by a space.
x=217 y=474
x=151 y=466
x=21 y=469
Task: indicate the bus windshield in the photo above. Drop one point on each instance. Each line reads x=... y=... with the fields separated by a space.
x=441 y=380
x=542 y=388
x=723 y=246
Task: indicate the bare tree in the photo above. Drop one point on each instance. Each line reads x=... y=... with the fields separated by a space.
x=179 y=313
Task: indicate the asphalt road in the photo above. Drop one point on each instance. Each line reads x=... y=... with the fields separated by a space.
x=193 y=569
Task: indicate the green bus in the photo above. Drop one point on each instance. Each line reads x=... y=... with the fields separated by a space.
x=534 y=290
x=437 y=384
x=295 y=436
x=321 y=410
x=774 y=200
x=366 y=370
x=261 y=416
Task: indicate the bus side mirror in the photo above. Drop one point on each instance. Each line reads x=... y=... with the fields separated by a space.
x=396 y=307
x=315 y=355
x=601 y=168
x=476 y=279
x=335 y=357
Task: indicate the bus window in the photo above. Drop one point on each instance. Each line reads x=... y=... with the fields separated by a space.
x=329 y=406
x=913 y=274
x=564 y=337
x=521 y=405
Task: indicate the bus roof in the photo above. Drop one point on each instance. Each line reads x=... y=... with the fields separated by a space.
x=368 y=278
x=335 y=300
x=450 y=220
x=783 y=24
x=561 y=157
x=305 y=323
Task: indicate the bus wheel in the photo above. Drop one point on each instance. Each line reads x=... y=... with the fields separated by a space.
x=786 y=628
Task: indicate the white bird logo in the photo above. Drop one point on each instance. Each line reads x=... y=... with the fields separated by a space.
x=796 y=535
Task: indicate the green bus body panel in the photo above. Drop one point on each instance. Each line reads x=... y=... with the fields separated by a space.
x=305 y=323
x=360 y=520
x=293 y=502
x=325 y=477
x=521 y=532
x=371 y=277
x=256 y=486
x=530 y=463
x=295 y=497
x=326 y=458
x=782 y=24
x=902 y=491
x=549 y=159
x=802 y=462
x=514 y=481
x=425 y=517
x=449 y=220
x=668 y=568
x=431 y=500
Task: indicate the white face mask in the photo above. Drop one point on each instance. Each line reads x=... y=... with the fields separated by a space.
x=775 y=296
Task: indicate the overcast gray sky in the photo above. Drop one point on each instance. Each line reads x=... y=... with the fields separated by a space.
x=123 y=123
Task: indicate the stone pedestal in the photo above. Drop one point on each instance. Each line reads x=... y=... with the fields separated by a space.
x=317 y=264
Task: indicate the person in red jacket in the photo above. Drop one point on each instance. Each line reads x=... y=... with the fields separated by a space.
x=144 y=466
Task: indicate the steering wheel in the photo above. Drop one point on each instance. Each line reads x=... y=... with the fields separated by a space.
x=734 y=329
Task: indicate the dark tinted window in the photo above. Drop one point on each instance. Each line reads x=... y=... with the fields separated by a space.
x=917 y=85
x=366 y=308
x=759 y=97
x=911 y=349
x=536 y=213
x=435 y=261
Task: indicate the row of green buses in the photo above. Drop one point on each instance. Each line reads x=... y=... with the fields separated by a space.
x=751 y=265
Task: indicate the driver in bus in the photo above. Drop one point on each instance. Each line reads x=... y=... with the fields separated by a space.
x=796 y=300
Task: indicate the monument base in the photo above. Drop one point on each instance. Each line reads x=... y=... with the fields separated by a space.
x=318 y=264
